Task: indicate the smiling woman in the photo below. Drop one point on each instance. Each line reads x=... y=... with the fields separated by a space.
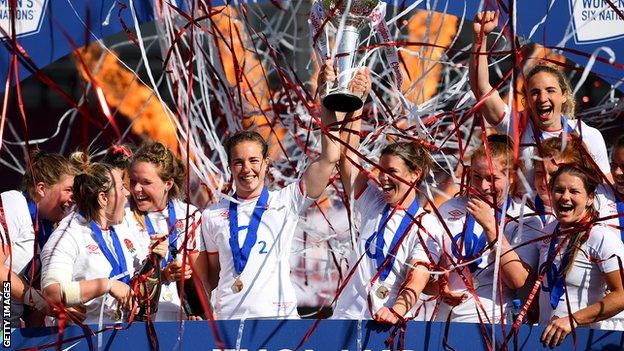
x=548 y=98
x=45 y=199
x=246 y=240
x=157 y=210
x=580 y=260
x=475 y=221
x=85 y=258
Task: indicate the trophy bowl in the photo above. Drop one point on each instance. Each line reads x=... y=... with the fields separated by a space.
x=339 y=98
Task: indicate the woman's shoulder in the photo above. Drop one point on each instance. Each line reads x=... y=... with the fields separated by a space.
x=182 y=207
x=601 y=233
x=72 y=228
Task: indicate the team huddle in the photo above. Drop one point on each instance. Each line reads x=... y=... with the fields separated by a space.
x=543 y=234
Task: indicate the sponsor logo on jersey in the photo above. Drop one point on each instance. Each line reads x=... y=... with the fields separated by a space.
x=93 y=249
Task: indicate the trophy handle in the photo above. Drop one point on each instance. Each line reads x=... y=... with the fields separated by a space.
x=341 y=99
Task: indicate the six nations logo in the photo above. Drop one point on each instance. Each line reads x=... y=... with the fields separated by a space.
x=28 y=17
x=596 y=21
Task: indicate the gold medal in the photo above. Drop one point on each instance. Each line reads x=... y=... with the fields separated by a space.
x=382 y=292
x=168 y=296
x=237 y=286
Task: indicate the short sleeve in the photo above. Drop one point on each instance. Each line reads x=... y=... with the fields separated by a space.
x=608 y=247
x=428 y=232
x=525 y=243
x=294 y=196
x=206 y=237
x=59 y=254
x=504 y=125
x=598 y=149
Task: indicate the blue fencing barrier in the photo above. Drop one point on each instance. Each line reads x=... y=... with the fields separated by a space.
x=286 y=335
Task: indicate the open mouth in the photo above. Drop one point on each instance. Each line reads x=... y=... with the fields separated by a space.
x=565 y=209
x=388 y=188
x=139 y=198
x=544 y=112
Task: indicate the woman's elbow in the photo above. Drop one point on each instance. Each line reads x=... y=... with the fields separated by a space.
x=53 y=293
x=517 y=281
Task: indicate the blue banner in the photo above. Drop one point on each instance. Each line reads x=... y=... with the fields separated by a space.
x=43 y=27
x=287 y=334
x=580 y=28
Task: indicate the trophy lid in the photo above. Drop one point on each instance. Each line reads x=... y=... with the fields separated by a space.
x=358 y=9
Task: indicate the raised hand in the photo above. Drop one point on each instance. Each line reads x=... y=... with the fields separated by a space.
x=326 y=77
x=484 y=215
x=361 y=83
x=486 y=20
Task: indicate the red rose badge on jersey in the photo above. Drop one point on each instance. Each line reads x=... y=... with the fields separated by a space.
x=129 y=245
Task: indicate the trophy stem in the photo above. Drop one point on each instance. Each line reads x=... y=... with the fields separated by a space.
x=341 y=99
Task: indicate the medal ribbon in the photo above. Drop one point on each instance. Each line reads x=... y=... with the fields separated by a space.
x=540 y=208
x=620 y=211
x=378 y=256
x=173 y=234
x=554 y=276
x=119 y=267
x=44 y=228
x=473 y=244
x=240 y=255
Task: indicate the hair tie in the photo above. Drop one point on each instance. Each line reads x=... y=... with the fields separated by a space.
x=121 y=149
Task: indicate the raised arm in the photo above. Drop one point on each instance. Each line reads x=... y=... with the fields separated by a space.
x=493 y=106
x=350 y=135
x=318 y=173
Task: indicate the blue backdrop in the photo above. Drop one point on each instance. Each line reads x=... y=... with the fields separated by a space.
x=330 y=335
x=43 y=23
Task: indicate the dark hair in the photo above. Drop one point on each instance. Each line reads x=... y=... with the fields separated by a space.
x=414 y=154
x=569 y=106
x=93 y=179
x=168 y=165
x=590 y=184
x=118 y=156
x=243 y=136
x=45 y=167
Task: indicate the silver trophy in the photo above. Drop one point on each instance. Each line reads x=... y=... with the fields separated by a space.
x=339 y=97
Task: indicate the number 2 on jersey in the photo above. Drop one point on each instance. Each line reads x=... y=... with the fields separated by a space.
x=263 y=248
